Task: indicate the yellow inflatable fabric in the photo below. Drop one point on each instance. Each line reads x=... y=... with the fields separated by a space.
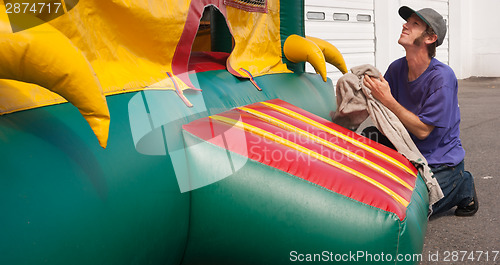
x=130 y=45
x=315 y=51
x=299 y=49
x=257 y=41
x=43 y=56
x=331 y=53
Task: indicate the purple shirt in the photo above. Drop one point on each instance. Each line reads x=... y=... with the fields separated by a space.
x=433 y=98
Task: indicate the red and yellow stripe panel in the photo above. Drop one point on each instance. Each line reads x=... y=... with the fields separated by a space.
x=326 y=143
x=340 y=135
x=283 y=136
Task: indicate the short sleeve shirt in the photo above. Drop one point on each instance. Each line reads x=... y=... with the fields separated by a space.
x=433 y=98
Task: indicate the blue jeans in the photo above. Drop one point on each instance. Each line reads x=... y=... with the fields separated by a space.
x=457 y=186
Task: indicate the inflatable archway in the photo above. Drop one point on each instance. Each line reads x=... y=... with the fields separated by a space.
x=219 y=155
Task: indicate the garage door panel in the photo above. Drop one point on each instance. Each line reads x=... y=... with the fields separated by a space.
x=357 y=4
x=329 y=14
x=352 y=30
x=353 y=46
x=355 y=38
x=340 y=31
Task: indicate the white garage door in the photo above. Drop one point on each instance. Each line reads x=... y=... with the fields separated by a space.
x=348 y=25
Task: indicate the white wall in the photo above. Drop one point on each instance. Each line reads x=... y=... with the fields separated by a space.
x=354 y=39
x=387 y=29
x=388 y=26
x=475 y=38
x=473 y=34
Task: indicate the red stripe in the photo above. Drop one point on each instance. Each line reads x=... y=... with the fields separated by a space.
x=388 y=151
x=348 y=146
x=300 y=165
x=339 y=157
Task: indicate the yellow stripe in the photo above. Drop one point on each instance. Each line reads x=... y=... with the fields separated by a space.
x=280 y=140
x=340 y=135
x=326 y=143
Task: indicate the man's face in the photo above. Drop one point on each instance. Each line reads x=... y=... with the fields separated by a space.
x=412 y=31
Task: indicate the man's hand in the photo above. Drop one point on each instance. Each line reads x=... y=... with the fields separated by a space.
x=380 y=89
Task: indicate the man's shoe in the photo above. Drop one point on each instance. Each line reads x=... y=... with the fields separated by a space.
x=470 y=209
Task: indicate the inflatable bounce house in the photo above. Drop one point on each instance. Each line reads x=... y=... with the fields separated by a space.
x=187 y=132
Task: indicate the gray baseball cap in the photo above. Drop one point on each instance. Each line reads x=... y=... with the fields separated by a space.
x=429 y=16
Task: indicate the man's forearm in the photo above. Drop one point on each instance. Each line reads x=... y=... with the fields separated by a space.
x=411 y=121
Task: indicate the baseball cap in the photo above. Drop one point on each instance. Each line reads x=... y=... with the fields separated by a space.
x=429 y=16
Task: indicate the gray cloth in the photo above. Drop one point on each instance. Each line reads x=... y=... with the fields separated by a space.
x=355 y=103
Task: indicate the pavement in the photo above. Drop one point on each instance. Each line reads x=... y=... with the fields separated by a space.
x=476 y=239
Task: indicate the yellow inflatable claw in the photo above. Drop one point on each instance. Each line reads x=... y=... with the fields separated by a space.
x=44 y=56
x=331 y=53
x=299 y=49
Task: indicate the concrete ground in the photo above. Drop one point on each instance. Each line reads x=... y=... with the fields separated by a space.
x=451 y=239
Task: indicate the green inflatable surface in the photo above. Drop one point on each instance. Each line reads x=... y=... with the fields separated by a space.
x=162 y=194
x=65 y=200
